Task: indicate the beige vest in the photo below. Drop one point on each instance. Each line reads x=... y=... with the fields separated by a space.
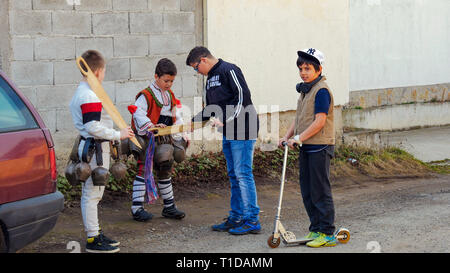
x=305 y=116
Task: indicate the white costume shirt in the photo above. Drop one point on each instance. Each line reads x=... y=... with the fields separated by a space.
x=89 y=117
x=141 y=120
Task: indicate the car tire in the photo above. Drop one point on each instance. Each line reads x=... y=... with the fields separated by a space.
x=3 y=246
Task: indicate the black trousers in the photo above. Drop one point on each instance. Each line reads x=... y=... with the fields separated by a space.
x=316 y=189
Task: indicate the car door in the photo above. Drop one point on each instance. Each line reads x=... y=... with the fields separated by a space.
x=25 y=161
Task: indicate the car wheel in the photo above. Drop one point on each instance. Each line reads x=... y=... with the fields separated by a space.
x=3 y=246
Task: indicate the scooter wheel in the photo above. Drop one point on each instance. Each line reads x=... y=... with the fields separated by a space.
x=343 y=235
x=271 y=242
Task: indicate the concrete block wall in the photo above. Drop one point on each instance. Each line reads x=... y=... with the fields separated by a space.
x=46 y=36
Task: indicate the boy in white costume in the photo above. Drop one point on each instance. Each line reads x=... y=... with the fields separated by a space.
x=96 y=130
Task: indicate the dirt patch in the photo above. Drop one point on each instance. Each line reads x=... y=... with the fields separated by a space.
x=201 y=189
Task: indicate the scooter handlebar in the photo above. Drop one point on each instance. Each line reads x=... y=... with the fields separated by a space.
x=284 y=143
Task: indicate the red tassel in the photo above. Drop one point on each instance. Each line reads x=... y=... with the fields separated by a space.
x=132 y=108
x=178 y=103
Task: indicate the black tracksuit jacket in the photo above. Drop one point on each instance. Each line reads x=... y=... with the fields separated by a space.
x=228 y=99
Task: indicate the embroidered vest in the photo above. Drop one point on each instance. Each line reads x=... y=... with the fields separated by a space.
x=154 y=107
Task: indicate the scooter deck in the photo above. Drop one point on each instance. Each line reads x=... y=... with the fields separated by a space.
x=298 y=242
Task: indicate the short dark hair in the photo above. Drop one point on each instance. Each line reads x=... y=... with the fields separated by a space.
x=301 y=61
x=94 y=60
x=197 y=53
x=165 y=66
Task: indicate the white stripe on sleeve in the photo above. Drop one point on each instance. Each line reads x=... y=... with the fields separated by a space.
x=239 y=105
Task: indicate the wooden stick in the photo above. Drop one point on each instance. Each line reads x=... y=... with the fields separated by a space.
x=169 y=130
x=103 y=97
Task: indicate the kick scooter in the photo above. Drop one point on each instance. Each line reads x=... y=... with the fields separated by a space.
x=288 y=237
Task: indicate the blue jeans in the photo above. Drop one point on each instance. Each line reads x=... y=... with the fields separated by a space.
x=239 y=157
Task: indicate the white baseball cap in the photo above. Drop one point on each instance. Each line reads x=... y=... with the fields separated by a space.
x=312 y=53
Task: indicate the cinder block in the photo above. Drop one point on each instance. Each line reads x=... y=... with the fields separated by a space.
x=30 y=93
x=144 y=22
x=123 y=110
x=20 y=5
x=54 y=96
x=130 y=5
x=97 y=5
x=131 y=46
x=30 y=22
x=54 y=48
x=49 y=118
x=180 y=62
x=52 y=5
x=22 y=49
x=143 y=68
x=126 y=91
x=103 y=45
x=177 y=86
x=179 y=22
x=110 y=88
x=66 y=72
x=31 y=73
x=188 y=42
x=117 y=69
x=71 y=23
x=64 y=121
x=164 y=5
x=189 y=85
x=110 y=23
x=165 y=44
x=187 y=5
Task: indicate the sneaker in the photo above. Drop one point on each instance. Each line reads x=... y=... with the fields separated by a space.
x=107 y=240
x=141 y=215
x=246 y=228
x=225 y=226
x=323 y=240
x=311 y=236
x=173 y=212
x=97 y=245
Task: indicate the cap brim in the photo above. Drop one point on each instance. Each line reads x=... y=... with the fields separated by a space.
x=308 y=57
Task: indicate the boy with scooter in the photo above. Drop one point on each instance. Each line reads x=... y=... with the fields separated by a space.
x=313 y=129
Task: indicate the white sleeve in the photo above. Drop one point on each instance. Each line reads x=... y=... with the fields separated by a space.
x=96 y=129
x=140 y=118
x=91 y=108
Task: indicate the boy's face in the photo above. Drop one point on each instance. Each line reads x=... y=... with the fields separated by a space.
x=308 y=73
x=165 y=81
x=100 y=74
x=201 y=66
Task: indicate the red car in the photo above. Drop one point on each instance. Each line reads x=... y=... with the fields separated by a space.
x=29 y=201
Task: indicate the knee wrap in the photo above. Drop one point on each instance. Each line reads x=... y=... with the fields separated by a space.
x=179 y=150
x=163 y=160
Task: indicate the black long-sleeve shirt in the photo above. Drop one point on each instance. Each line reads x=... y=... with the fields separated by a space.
x=228 y=98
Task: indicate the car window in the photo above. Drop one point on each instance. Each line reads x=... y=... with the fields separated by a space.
x=14 y=115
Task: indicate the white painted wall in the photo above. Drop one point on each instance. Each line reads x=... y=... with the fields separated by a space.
x=262 y=37
x=396 y=43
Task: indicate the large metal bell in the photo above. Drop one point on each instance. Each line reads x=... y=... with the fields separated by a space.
x=119 y=170
x=82 y=171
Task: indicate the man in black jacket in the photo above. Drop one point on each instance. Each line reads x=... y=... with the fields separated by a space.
x=228 y=99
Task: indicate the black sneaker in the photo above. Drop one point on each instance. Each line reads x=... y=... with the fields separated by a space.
x=99 y=246
x=173 y=212
x=142 y=215
x=107 y=240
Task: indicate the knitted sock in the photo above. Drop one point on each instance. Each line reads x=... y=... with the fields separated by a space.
x=165 y=189
x=138 y=193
